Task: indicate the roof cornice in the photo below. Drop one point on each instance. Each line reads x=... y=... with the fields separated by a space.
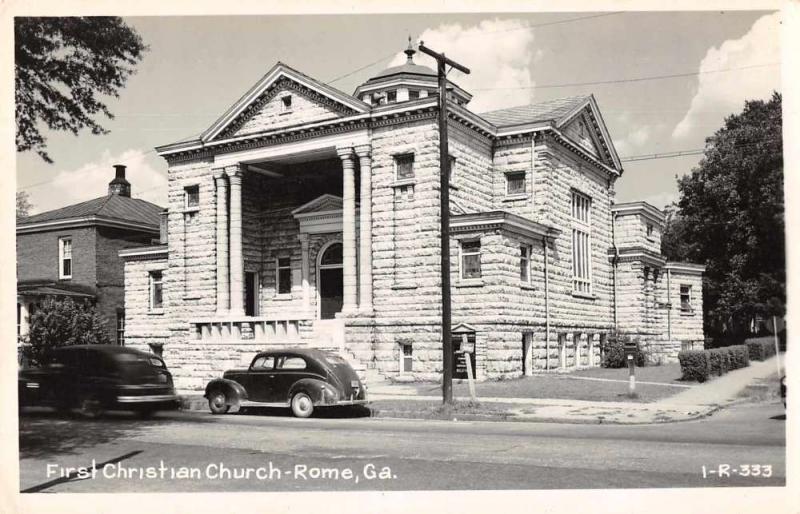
x=144 y=253
x=642 y=208
x=491 y=220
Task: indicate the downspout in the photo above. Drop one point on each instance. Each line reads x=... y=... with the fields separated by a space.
x=614 y=263
x=546 y=306
x=669 y=305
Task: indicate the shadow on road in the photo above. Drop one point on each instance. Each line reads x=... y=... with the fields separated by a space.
x=46 y=433
x=355 y=411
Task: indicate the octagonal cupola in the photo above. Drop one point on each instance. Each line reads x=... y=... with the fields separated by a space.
x=404 y=83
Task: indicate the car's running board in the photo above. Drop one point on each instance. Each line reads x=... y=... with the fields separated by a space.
x=247 y=403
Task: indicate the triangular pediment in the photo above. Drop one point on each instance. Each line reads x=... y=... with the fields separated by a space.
x=324 y=203
x=462 y=328
x=265 y=107
x=585 y=127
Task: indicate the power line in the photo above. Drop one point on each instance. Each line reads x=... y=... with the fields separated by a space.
x=481 y=32
x=694 y=151
x=636 y=79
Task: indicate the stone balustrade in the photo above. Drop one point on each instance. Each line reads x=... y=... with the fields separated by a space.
x=246 y=329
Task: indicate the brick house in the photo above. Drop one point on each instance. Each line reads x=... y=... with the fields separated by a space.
x=74 y=252
x=307 y=216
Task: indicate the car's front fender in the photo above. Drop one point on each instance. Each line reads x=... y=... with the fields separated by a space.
x=315 y=388
x=234 y=391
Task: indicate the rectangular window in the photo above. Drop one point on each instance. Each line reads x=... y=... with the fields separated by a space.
x=470 y=259
x=156 y=290
x=525 y=263
x=19 y=319
x=451 y=165
x=686 y=298
x=581 y=243
x=286 y=103
x=283 y=274
x=404 y=166
x=65 y=257
x=191 y=196
x=649 y=230
x=413 y=94
x=121 y=327
x=391 y=96
x=407 y=358
x=251 y=289
x=515 y=183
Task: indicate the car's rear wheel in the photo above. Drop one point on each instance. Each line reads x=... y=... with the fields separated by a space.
x=90 y=406
x=302 y=406
x=218 y=402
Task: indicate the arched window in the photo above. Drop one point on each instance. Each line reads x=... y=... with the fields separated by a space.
x=332 y=255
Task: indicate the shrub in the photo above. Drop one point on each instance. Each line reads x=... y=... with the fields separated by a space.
x=614 y=351
x=739 y=355
x=761 y=348
x=695 y=365
x=62 y=322
x=718 y=361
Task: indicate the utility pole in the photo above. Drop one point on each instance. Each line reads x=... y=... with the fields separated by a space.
x=444 y=195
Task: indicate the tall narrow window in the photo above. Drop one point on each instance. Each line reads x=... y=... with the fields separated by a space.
x=581 y=243
x=407 y=358
x=251 y=289
x=156 y=291
x=121 y=327
x=404 y=166
x=470 y=259
x=283 y=275
x=525 y=263
x=65 y=257
x=451 y=166
x=191 y=195
x=686 y=298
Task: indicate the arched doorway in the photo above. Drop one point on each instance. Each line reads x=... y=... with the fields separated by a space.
x=330 y=289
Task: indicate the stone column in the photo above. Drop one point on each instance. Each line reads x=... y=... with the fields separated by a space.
x=304 y=242
x=236 y=256
x=349 y=273
x=223 y=280
x=365 y=229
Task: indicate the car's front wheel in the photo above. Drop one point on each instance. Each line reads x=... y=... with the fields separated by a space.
x=218 y=403
x=90 y=406
x=302 y=406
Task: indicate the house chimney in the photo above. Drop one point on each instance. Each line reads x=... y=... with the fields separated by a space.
x=119 y=186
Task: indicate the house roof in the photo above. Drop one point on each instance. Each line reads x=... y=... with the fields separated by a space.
x=112 y=207
x=551 y=110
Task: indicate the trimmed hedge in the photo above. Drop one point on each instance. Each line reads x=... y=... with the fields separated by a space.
x=700 y=365
x=695 y=365
x=761 y=348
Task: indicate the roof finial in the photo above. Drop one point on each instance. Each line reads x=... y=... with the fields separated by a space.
x=410 y=51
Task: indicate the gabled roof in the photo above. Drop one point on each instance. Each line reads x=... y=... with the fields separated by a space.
x=276 y=73
x=551 y=110
x=324 y=203
x=109 y=208
x=556 y=114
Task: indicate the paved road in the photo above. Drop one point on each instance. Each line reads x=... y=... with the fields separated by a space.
x=168 y=453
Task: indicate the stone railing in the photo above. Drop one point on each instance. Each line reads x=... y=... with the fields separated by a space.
x=246 y=329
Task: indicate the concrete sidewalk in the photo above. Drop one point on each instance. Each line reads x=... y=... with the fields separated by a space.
x=399 y=400
x=696 y=402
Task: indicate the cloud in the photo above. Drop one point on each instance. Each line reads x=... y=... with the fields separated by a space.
x=91 y=181
x=633 y=141
x=503 y=46
x=721 y=94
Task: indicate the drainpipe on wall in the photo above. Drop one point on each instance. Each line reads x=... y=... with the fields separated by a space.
x=669 y=305
x=614 y=265
x=546 y=307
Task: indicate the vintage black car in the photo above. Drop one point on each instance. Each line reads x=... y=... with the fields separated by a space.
x=298 y=378
x=96 y=378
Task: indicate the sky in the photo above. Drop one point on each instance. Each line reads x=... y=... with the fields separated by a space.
x=197 y=66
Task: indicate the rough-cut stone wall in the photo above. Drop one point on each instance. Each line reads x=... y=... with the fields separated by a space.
x=143 y=326
x=631 y=231
x=516 y=157
x=685 y=326
x=471 y=181
x=273 y=116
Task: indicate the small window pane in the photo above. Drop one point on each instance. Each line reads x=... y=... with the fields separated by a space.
x=156 y=290
x=391 y=96
x=293 y=363
x=686 y=298
x=413 y=94
x=405 y=166
x=524 y=263
x=515 y=183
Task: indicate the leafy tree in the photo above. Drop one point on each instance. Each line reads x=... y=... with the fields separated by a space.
x=731 y=211
x=674 y=245
x=63 y=322
x=61 y=67
x=24 y=205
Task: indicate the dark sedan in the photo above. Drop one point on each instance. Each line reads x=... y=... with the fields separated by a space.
x=301 y=379
x=96 y=378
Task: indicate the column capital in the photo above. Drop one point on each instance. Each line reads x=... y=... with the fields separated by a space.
x=345 y=153
x=363 y=150
x=234 y=170
x=218 y=173
x=304 y=238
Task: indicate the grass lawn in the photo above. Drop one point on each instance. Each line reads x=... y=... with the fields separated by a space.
x=572 y=386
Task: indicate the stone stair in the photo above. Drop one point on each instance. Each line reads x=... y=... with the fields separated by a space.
x=328 y=335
